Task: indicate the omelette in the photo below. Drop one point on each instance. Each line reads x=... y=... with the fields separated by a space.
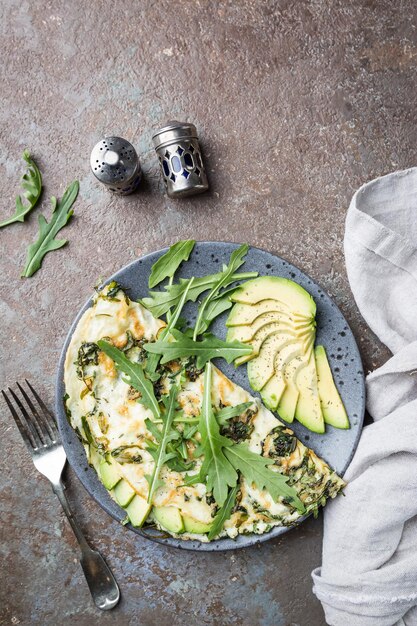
x=118 y=431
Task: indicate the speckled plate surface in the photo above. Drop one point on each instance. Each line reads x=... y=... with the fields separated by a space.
x=336 y=446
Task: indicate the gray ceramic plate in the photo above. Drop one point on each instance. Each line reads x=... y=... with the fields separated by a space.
x=336 y=446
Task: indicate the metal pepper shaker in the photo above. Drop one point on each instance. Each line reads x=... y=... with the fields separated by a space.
x=114 y=163
x=179 y=155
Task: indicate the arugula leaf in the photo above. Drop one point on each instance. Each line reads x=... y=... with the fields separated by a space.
x=159 y=302
x=168 y=263
x=236 y=260
x=216 y=471
x=135 y=376
x=225 y=414
x=46 y=242
x=255 y=469
x=209 y=348
x=164 y=437
x=223 y=513
x=32 y=185
x=215 y=308
x=153 y=359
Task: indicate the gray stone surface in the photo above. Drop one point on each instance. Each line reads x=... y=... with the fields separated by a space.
x=297 y=104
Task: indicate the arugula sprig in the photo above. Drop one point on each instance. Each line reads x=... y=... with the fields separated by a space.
x=46 y=241
x=216 y=471
x=209 y=348
x=154 y=357
x=32 y=185
x=168 y=263
x=236 y=260
x=134 y=376
x=159 y=302
x=223 y=459
x=255 y=469
x=223 y=513
x=165 y=436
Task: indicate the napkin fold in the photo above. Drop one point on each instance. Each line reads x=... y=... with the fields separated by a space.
x=368 y=575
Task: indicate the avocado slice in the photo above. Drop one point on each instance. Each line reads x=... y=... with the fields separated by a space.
x=169 y=518
x=109 y=473
x=137 y=511
x=286 y=291
x=245 y=314
x=308 y=410
x=247 y=332
x=93 y=456
x=332 y=407
x=274 y=389
x=262 y=335
x=123 y=493
x=288 y=402
x=195 y=527
x=262 y=368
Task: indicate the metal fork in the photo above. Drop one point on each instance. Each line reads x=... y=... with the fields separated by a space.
x=38 y=429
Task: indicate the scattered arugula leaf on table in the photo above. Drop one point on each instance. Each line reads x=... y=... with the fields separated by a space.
x=209 y=348
x=135 y=376
x=168 y=263
x=46 y=241
x=32 y=185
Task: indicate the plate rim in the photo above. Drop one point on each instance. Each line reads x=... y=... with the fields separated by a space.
x=226 y=543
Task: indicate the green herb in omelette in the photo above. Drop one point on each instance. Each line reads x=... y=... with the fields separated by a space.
x=32 y=185
x=168 y=263
x=46 y=241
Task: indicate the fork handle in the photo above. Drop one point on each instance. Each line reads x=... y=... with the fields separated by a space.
x=101 y=582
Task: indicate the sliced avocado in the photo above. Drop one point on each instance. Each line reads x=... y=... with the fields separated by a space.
x=109 y=473
x=169 y=518
x=288 y=402
x=123 y=493
x=274 y=389
x=334 y=412
x=287 y=292
x=192 y=525
x=272 y=392
x=258 y=339
x=245 y=314
x=261 y=369
x=94 y=458
x=137 y=511
x=308 y=411
x=247 y=333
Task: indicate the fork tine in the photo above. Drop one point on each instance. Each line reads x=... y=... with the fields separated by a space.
x=49 y=418
x=24 y=431
x=41 y=423
x=28 y=421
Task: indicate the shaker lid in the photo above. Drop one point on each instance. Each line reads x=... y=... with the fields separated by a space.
x=114 y=161
x=174 y=131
